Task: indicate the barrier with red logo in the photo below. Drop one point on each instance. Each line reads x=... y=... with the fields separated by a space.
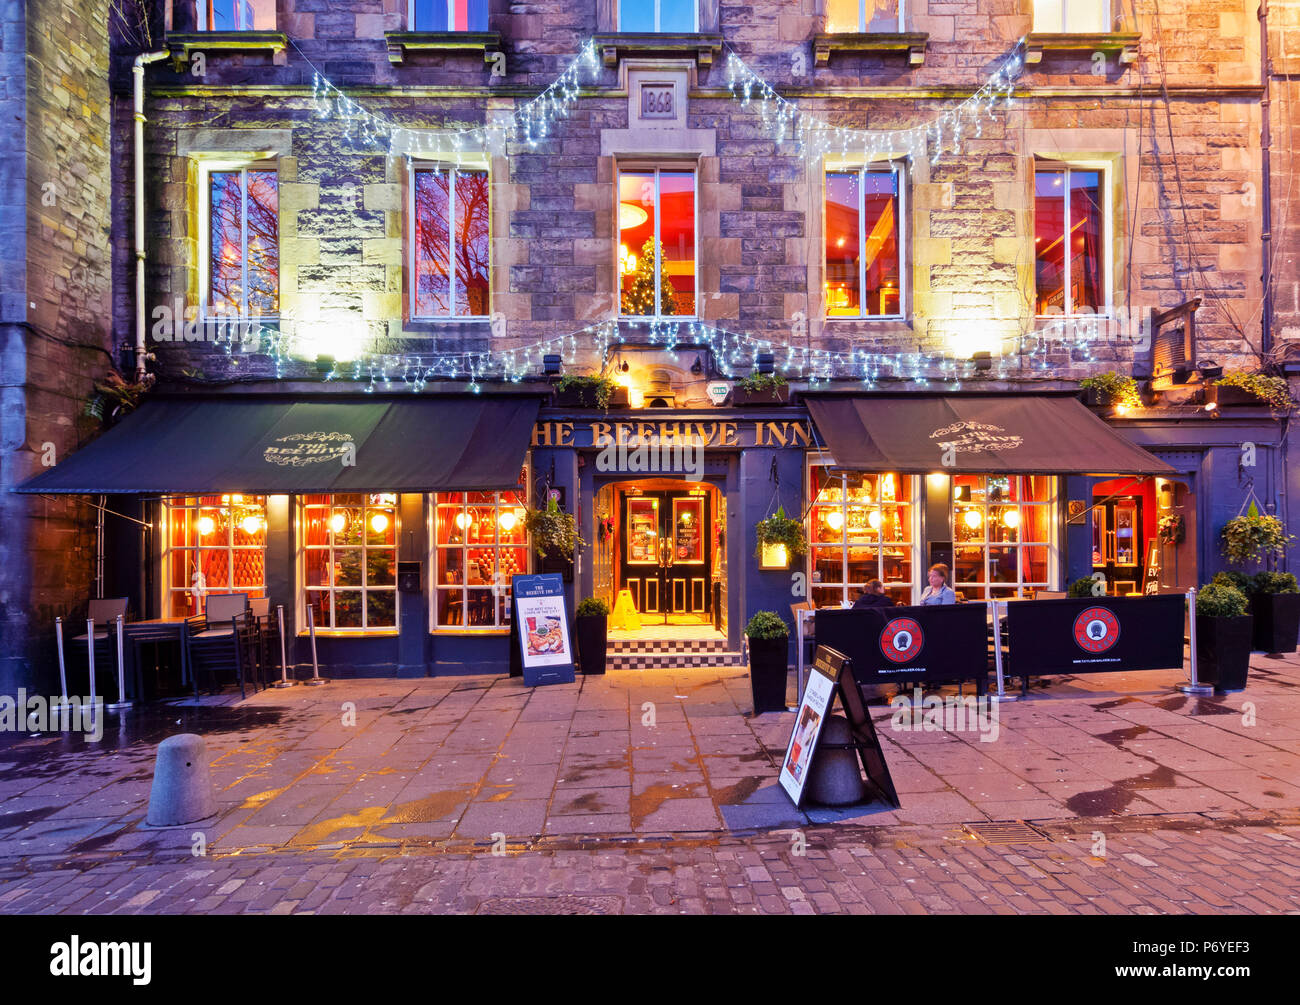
x=892 y=644
x=1094 y=635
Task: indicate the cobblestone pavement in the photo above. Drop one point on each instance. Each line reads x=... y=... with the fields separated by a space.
x=641 y=791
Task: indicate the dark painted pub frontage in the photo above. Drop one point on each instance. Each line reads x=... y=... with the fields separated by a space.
x=399 y=519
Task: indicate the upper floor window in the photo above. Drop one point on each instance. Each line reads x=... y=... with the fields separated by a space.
x=449 y=246
x=1070 y=239
x=449 y=15
x=864 y=242
x=236 y=15
x=1084 y=17
x=240 y=251
x=656 y=251
x=864 y=15
x=677 y=16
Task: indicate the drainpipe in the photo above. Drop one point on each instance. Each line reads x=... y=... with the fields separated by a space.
x=138 y=69
x=1265 y=142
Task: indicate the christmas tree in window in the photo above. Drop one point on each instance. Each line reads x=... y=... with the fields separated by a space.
x=639 y=297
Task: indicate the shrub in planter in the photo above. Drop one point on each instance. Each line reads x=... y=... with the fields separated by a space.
x=1236 y=387
x=588 y=392
x=1275 y=606
x=1223 y=635
x=591 y=629
x=760 y=388
x=1111 y=389
x=768 y=666
x=1085 y=587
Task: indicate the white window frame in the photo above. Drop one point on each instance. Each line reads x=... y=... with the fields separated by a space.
x=1103 y=168
x=451 y=5
x=1064 y=7
x=415 y=165
x=914 y=505
x=633 y=168
x=899 y=169
x=206 y=170
x=174 y=504
x=300 y=570
x=985 y=585
x=239 y=17
x=657 y=30
x=900 y=5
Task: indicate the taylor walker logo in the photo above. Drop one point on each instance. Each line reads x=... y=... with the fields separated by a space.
x=38 y=714
x=653 y=454
x=300 y=449
x=102 y=959
x=901 y=640
x=1096 y=629
x=965 y=437
x=954 y=714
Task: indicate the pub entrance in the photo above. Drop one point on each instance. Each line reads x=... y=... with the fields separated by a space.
x=663 y=541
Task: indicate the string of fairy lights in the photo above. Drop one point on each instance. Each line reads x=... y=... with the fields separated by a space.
x=732 y=353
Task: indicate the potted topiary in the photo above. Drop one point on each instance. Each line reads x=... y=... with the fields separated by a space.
x=768 y=639
x=761 y=389
x=554 y=535
x=1275 y=606
x=1238 y=388
x=1223 y=630
x=1110 y=389
x=591 y=631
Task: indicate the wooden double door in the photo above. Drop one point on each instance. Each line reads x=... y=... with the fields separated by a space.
x=665 y=554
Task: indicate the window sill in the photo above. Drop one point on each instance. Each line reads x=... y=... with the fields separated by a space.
x=913 y=43
x=1123 y=42
x=182 y=44
x=400 y=43
x=704 y=48
x=352 y=633
x=471 y=632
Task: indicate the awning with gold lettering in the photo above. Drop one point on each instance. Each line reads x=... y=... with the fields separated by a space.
x=271 y=445
x=1027 y=433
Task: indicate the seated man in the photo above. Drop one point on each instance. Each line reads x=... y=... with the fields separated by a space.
x=873 y=596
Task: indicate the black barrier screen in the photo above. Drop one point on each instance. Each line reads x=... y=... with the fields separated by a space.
x=1094 y=635
x=909 y=643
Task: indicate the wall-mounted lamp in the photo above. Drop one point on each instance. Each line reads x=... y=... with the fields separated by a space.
x=697 y=367
x=551 y=364
x=766 y=362
x=324 y=363
x=774 y=556
x=1210 y=370
x=983 y=360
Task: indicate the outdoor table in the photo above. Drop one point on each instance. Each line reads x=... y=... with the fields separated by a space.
x=154 y=631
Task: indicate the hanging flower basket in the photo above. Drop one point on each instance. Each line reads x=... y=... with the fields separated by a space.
x=779 y=537
x=1254 y=538
x=553 y=533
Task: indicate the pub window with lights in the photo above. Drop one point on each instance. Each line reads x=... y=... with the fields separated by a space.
x=235 y=15
x=864 y=242
x=675 y=16
x=1070 y=240
x=212 y=544
x=349 y=560
x=449 y=15
x=860 y=527
x=1081 y=17
x=861 y=16
x=449 y=241
x=1002 y=534
x=656 y=233
x=240 y=242
x=480 y=543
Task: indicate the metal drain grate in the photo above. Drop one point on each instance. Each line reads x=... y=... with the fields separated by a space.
x=1010 y=833
x=551 y=905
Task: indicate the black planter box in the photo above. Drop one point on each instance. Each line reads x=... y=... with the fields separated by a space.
x=768 y=671
x=1277 y=621
x=1228 y=395
x=586 y=398
x=770 y=396
x=592 y=633
x=1223 y=651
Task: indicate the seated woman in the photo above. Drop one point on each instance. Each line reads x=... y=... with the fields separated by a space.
x=873 y=596
x=938 y=592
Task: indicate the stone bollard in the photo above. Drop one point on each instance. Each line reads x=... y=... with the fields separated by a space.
x=835 y=778
x=182 y=787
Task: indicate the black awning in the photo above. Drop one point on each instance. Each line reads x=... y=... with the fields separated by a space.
x=1026 y=433
x=280 y=446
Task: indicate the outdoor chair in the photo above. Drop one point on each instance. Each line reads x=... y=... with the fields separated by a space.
x=103 y=611
x=223 y=642
x=267 y=630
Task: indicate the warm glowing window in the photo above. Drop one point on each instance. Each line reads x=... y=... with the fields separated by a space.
x=864 y=15
x=860 y=527
x=349 y=559
x=1070 y=239
x=1002 y=534
x=236 y=15
x=242 y=244
x=657 y=15
x=449 y=15
x=212 y=544
x=449 y=249
x=656 y=233
x=1071 y=16
x=864 y=240
x=480 y=543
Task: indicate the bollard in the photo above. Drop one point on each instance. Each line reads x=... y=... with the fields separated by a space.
x=997 y=657
x=63 y=673
x=182 y=790
x=122 y=702
x=835 y=778
x=315 y=678
x=284 y=680
x=1195 y=686
x=90 y=648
